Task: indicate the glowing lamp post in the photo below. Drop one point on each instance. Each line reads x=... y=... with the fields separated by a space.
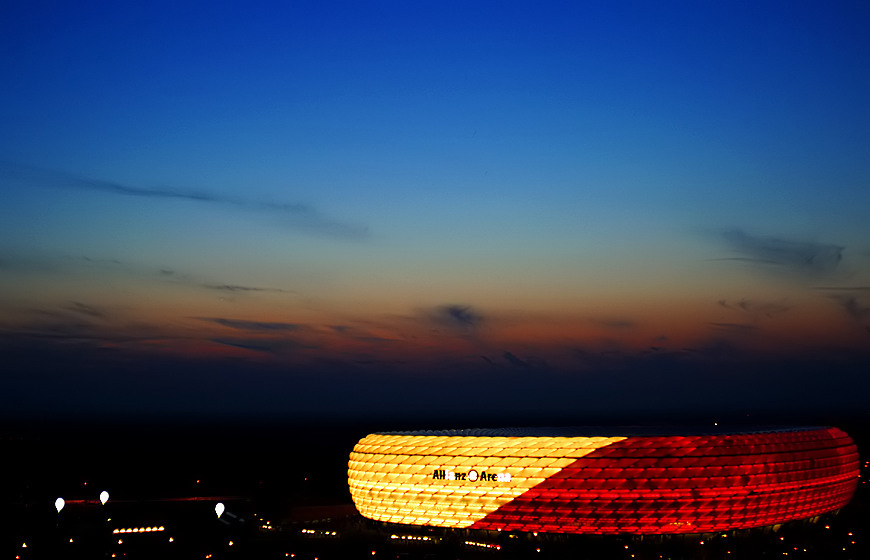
x=58 y=504
x=104 y=497
x=219 y=509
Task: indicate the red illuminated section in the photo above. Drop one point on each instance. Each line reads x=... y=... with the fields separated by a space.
x=690 y=484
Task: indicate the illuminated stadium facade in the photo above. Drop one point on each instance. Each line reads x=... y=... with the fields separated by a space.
x=568 y=481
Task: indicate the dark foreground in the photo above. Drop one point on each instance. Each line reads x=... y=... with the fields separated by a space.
x=285 y=495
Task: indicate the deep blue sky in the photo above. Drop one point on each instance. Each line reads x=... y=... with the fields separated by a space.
x=379 y=194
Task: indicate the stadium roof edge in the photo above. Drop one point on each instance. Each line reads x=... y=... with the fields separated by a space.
x=606 y=431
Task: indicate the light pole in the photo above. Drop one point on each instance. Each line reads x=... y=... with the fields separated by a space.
x=58 y=505
x=104 y=497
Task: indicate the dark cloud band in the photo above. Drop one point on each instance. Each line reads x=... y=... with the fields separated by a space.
x=799 y=256
x=293 y=215
x=256 y=326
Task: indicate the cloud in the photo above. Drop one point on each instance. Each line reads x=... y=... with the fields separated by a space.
x=99 y=261
x=513 y=360
x=255 y=326
x=614 y=323
x=853 y=307
x=798 y=256
x=462 y=317
x=85 y=309
x=20 y=264
x=756 y=309
x=239 y=288
x=174 y=276
x=257 y=345
x=74 y=324
x=358 y=334
x=529 y=363
x=849 y=298
x=297 y=216
x=734 y=327
x=47 y=264
x=64 y=264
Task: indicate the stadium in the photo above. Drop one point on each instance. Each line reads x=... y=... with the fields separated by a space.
x=603 y=481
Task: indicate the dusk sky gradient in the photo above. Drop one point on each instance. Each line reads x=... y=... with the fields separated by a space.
x=313 y=208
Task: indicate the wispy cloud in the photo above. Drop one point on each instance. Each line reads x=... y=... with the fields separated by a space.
x=798 y=256
x=174 y=276
x=85 y=309
x=851 y=300
x=531 y=364
x=461 y=317
x=269 y=346
x=756 y=309
x=47 y=264
x=254 y=326
x=79 y=322
x=64 y=264
x=240 y=288
x=853 y=307
x=614 y=323
x=513 y=360
x=296 y=216
x=359 y=334
x=734 y=327
x=26 y=264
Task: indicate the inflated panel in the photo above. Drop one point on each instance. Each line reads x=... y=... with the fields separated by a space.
x=640 y=484
x=452 y=481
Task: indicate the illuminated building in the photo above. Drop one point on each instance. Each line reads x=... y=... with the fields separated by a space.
x=569 y=481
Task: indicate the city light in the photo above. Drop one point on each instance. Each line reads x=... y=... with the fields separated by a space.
x=483 y=545
x=58 y=504
x=104 y=497
x=153 y=529
x=219 y=509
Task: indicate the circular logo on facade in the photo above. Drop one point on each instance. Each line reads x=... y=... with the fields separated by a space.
x=472 y=475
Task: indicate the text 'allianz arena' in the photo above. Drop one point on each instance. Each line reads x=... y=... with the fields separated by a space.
x=568 y=481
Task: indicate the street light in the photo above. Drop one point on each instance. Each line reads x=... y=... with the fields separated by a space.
x=104 y=497
x=58 y=504
x=219 y=509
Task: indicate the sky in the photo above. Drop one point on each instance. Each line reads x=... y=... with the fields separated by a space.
x=235 y=209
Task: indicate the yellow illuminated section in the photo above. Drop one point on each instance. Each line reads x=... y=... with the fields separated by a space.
x=406 y=478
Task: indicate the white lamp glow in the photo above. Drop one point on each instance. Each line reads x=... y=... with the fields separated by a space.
x=104 y=497
x=219 y=509
x=58 y=504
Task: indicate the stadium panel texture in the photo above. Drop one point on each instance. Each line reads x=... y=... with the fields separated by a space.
x=556 y=480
